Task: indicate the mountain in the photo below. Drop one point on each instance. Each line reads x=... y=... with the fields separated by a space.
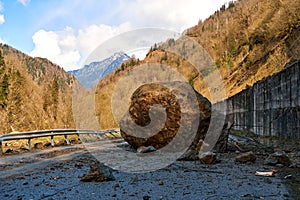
x=34 y=93
x=90 y=74
x=248 y=40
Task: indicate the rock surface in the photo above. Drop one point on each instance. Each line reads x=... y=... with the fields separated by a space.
x=148 y=95
x=246 y=157
x=98 y=173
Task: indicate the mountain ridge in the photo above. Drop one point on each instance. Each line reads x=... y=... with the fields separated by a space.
x=90 y=74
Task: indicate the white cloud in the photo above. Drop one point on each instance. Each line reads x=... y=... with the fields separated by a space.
x=68 y=49
x=92 y=36
x=2 y=20
x=59 y=47
x=178 y=14
x=2 y=41
x=24 y=2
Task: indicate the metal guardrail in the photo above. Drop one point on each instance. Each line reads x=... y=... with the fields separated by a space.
x=51 y=133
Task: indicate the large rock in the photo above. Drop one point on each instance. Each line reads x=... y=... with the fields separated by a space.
x=149 y=95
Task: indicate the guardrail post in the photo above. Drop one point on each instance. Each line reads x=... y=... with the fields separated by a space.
x=1 y=151
x=29 y=145
x=52 y=141
x=67 y=140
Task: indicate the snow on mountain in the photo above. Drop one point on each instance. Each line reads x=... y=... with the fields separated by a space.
x=90 y=74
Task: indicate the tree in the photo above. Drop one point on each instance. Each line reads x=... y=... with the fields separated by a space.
x=4 y=91
x=15 y=98
x=223 y=8
x=2 y=63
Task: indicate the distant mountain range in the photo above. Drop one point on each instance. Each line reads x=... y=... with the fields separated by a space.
x=90 y=74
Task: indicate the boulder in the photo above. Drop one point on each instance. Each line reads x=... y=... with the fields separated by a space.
x=246 y=157
x=142 y=106
x=98 y=173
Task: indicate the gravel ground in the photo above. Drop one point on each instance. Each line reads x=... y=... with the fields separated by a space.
x=57 y=176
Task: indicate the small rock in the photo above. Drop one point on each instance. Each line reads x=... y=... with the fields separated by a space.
x=73 y=141
x=116 y=186
x=288 y=176
x=146 y=197
x=47 y=144
x=98 y=173
x=246 y=157
x=78 y=165
x=38 y=145
x=278 y=158
x=148 y=149
x=24 y=148
x=279 y=165
x=207 y=157
x=61 y=143
x=160 y=183
x=9 y=151
x=190 y=155
x=25 y=183
x=16 y=144
x=298 y=154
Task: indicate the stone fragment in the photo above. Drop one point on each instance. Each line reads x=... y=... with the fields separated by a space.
x=207 y=157
x=98 y=173
x=38 y=145
x=246 y=157
x=143 y=149
x=278 y=158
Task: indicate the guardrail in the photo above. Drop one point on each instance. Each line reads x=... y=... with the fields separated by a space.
x=51 y=133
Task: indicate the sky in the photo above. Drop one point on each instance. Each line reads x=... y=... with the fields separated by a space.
x=67 y=31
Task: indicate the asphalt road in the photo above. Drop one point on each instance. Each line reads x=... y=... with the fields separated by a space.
x=55 y=174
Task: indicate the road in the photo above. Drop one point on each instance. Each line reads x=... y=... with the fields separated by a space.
x=55 y=174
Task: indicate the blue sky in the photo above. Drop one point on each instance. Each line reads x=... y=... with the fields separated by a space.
x=67 y=31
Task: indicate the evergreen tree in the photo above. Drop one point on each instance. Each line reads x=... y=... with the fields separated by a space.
x=2 y=63
x=4 y=91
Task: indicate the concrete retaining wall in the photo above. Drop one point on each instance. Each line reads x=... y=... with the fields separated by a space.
x=271 y=106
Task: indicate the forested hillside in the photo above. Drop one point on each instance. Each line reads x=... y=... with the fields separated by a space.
x=34 y=93
x=247 y=40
